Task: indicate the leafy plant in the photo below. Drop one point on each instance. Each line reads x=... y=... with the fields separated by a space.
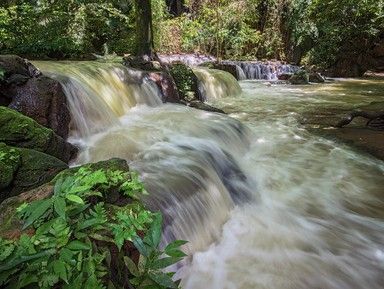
x=79 y=241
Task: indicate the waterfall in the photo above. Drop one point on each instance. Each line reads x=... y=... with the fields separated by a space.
x=189 y=171
x=99 y=93
x=262 y=70
x=240 y=73
x=262 y=202
x=214 y=84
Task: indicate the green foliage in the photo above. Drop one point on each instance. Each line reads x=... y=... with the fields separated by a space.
x=148 y=273
x=75 y=234
x=344 y=26
x=243 y=29
x=185 y=79
x=65 y=28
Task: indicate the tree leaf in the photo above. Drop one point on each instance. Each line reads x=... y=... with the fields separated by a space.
x=156 y=230
x=78 y=189
x=23 y=259
x=131 y=266
x=76 y=283
x=176 y=253
x=175 y=245
x=75 y=199
x=78 y=245
x=59 y=206
x=165 y=262
x=60 y=270
x=57 y=188
x=139 y=244
x=162 y=279
x=173 y=249
x=66 y=255
x=40 y=209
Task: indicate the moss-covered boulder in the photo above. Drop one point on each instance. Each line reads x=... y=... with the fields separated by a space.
x=10 y=161
x=23 y=169
x=21 y=131
x=300 y=77
x=186 y=81
x=10 y=225
x=25 y=89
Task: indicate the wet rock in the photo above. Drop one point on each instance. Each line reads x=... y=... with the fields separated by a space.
x=16 y=66
x=21 y=131
x=142 y=63
x=230 y=68
x=351 y=128
x=362 y=138
x=203 y=106
x=284 y=76
x=23 y=169
x=300 y=77
x=166 y=84
x=26 y=90
x=316 y=77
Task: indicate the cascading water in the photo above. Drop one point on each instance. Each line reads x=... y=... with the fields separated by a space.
x=99 y=93
x=262 y=70
x=300 y=212
x=215 y=83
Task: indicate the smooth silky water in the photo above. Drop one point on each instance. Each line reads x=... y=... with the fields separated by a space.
x=264 y=203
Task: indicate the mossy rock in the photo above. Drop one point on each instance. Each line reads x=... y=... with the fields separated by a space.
x=23 y=169
x=21 y=131
x=10 y=161
x=186 y=81
x=300 y=77
x=10 y=225
x=25 y=89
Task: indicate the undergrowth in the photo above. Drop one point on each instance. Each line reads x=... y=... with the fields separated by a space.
x=75 y=240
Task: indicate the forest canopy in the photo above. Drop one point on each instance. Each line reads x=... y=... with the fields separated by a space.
x=298 y=31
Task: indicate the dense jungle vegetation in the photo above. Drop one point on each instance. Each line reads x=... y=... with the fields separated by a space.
x=299 y=31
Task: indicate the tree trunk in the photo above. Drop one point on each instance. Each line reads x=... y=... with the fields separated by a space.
x=144 y=29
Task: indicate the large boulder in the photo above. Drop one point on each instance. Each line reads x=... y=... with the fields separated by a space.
x=284 y=76
x=21 y=131
x=300 y=77
x=23 y=169
x=166 y=85
x=25 y=89
x=316 y=77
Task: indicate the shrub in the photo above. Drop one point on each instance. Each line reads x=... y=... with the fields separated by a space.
x=75 y=240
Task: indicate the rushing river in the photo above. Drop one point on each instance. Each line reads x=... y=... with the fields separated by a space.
x=264 y=203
